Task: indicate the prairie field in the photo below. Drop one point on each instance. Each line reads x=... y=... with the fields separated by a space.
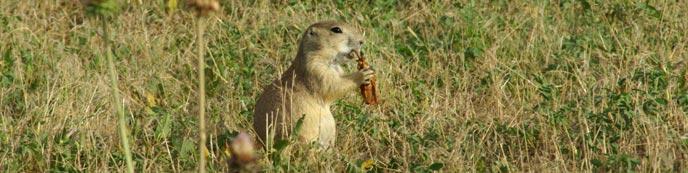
x=467 y=86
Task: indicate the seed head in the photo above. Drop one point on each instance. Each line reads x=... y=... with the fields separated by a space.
x=101 y=7
x=204 y=7
x=242 y=148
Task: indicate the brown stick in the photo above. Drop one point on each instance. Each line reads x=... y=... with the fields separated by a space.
x=367 y=90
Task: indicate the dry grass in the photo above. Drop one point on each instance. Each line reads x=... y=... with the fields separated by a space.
x=559 y=86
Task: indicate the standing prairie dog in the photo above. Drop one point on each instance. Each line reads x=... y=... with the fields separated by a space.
x=308 y=87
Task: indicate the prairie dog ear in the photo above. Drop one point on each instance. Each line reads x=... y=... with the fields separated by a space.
x=311 y=32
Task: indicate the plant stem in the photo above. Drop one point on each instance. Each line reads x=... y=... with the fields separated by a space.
x=115 y=94
x=201 y=96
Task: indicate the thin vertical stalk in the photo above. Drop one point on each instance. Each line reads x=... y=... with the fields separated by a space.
x=201 y=96
x=115 y=94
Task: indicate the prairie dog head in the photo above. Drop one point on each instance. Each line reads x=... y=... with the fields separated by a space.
x=331 y=40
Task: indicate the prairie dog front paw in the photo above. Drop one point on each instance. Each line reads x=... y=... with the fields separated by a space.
x=365 y=75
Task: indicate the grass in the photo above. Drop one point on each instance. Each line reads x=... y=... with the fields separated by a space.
x=123 y=132
x=467 y=86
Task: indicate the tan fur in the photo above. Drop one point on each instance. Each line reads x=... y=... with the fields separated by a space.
x=314 y=80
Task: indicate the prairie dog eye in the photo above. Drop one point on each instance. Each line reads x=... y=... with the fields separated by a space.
x=336 y=30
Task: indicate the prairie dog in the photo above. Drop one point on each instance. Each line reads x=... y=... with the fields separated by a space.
x=310 y=85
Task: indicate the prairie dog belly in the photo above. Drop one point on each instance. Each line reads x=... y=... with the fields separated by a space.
x=315 y=115
x=327 y=128
x=318 y=123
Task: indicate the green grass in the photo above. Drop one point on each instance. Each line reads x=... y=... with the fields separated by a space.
x=468 y=86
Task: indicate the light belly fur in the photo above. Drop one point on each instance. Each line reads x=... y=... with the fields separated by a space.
x=327 y=128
